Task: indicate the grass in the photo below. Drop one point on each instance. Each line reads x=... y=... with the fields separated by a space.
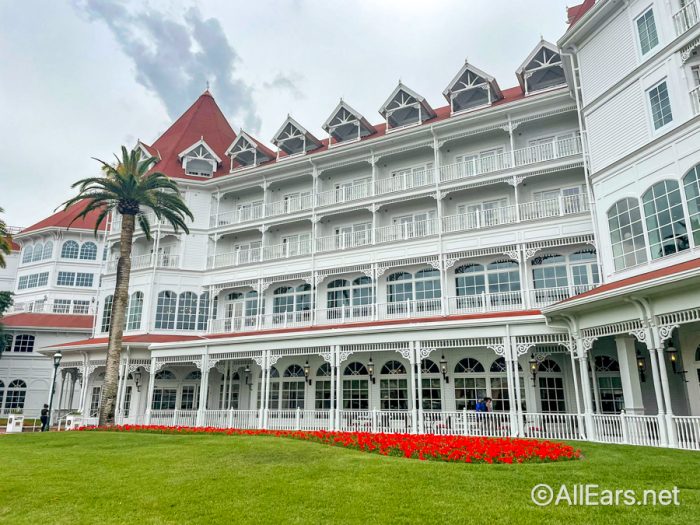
x=72 y=477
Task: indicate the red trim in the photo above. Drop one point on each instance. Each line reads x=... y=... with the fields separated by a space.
x=63 y=218
x=38 y=320
x=641 y=278
x=575 y=13
x=145 y=338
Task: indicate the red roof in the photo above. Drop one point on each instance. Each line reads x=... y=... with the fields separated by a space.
x=144 y=338
x=63 y=218
x=38 y=320
x=204 y=120
x=637 y=279
x=575 y=13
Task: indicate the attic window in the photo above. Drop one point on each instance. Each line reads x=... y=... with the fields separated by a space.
x=470 y=89
x=347 y=125
x=405 y=108
x=293 y=139
x=245 y=152
x=542 y=69
x=199 y=160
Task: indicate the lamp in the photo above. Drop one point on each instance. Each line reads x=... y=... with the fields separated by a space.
x=136 y=376
x=307 y=371
x=443 y=369
x=672 y=352
x=370 y=369
x=533 y=367
x=56 y=362
x=641 y=366
x=246 y=371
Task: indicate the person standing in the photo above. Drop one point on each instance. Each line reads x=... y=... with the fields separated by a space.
x=44 y=418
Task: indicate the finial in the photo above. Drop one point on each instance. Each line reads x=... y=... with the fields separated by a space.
x=207 y=85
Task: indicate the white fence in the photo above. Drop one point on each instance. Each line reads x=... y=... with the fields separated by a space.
x=686 y=17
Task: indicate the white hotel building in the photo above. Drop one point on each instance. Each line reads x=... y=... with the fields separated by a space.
x=539 y=245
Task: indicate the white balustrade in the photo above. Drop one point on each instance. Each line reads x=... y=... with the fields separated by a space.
x=551 y=426
x=490 y=424
x=344 y=241
x=54 y=307
x=686 y=17
x=313 y=420
x=405 y=231
x=485 y=302
x=405 y=181
x=287 y=249
x=642 y=430
x=289 y=205
x=344 y=194
x=443 y=423
x=355 y=421
x=688 y=431
x=346 y=314
x=608 y=428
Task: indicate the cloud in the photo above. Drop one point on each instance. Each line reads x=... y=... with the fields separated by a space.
x=288 y=83
x=176 y=58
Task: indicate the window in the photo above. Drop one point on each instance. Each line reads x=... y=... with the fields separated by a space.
x=27 y=254
x=189 y=397
x=400 y=287
x=292 y=389
x=203 y=314
x=607 y=370
x=431 y=390
x=356 y=387
x=187 y=311
x=48 y=250
x=646 y=29
x=428 y=286
x=38 y=252
x=16 y=394
x=584 y=270
x=70 y=250
x=84 y=279
x=88 y=251
x=5 y=345
x=323 y=387
x=107 y=313
x=626 y=234
x=81 y=307
x=34 y=280
x=165 y=310
x=2 y=393
x=24 y=343
x=95 y=401
x=127 y=400
x=691 y=182
x=549 y=271
x=393 y=391
x=469 y=388
x=165 y=375
x=551 y=383
x=133 y=318
x=61 y=306
x=665 y=219
x=65 y=279
x=660 y=105
x=164 y=398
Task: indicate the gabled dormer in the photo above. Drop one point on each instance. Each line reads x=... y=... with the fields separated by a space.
x=542 y=69
x=146 y=150
x=405 y=107
x=470 y=89
x=293 y=139
x=346 y=125
x=247 y=152
x=199 y=160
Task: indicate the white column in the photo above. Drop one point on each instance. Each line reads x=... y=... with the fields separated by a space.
x=586 y=388
x=663 y=372
x=149 y=398
x=577 y=393
x=518 y=395
x=508 y=354
x=266 y=403
x=338 y=386
x=663 y=433
x=419 y=389
x=594 y=381
x=629 y=374
x=203 y=388
x=333 y=398
x=412 y=376
x=261 y=387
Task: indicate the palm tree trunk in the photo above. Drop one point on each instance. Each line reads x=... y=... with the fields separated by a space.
x=116 y=327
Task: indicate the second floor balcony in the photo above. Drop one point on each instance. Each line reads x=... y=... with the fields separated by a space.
x=686 y=17
x=139 y=262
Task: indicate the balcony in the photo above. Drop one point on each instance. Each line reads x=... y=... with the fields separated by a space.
x=150 y=216
x=686 y=17
x=415 y=309
x=139 y=262
x=527 y=211
x=695 y=100
x=64 y=306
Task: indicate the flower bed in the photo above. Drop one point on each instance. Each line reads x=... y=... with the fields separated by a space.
x=463 y=449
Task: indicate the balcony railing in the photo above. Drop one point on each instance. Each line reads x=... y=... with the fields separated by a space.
x=345 y=194
x=117 y=221
x=479 y=219
x=74 y=307
x=405 y=181
x=695 y=100
x=287 y=249
x=138 y=262
x=686 y=17
x=344 y=241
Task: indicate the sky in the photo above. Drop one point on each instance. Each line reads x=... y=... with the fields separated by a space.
x=79 y=78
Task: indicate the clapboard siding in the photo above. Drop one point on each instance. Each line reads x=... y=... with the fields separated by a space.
x=607 y=56
x=617 y=127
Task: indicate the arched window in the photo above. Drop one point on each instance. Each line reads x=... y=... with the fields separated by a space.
x=107 y=313
x=551 y=383
x=470 y=281
x=165 y=375
x=607 y=372
x=283 y=300
x=362 y=293
x=166 y=308
x=16 y=394
x=189 y=394
x=24 y=343
x=691 y=183
x=431 y=389
x=27 y=254
x=187 y=311
x=195 y=375
x=499 y=279
x=393 y=391
x=549 y=271
x=665 y=219
x=323 y=387
x=251 y=307
x=470 y=383
x=88 y=251
x=626 y=234
x=274 y=395
x=203 y=314
x=48 y=250
x=164 y=396
x=70 y=250
x=428 y=290
x=38 y=252
x=342 y=294
x=293 y=387
x=135 y=310
x=400 y=287
x=355 y=387
x=338 y=294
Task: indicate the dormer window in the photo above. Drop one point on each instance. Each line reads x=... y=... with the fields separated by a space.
x=246 y=152
x=471 y=89
x=404 y=108
x=293 y=139
x=346 y=125
x=542 y=69
x=146 y=151
x=199 y=160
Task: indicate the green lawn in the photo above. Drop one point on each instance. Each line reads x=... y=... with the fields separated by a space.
x=146 y=478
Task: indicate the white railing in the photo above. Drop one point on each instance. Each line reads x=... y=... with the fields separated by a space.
x=695 y=100
x=290 y=205
x=475 y=166
x=355 y=421
x=479 y=219
x=443 y=423
x=345 y=194
x=642 y=430
x=235 y=258
x=405 y=181
x=240 y=215
x=552 y=426
x=687 y=431
x=546 y=296
x=344 y=241
x=313 y=420
x=139 y=262
x=53 y=307
x=409 y=230
x=150 y=216
x=686 y=17
x=287 y=249
x=486 y=302
x=608 y=428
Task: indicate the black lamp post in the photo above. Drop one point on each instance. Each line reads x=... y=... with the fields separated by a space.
x=641 y=366
x=443 y=369
x=307 y=372
x=136 y=376
x=370 y=369
x=56 y=362
x=533 y=367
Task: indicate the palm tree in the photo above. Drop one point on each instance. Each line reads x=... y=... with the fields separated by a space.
x=5 y=241
x=127 y=187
